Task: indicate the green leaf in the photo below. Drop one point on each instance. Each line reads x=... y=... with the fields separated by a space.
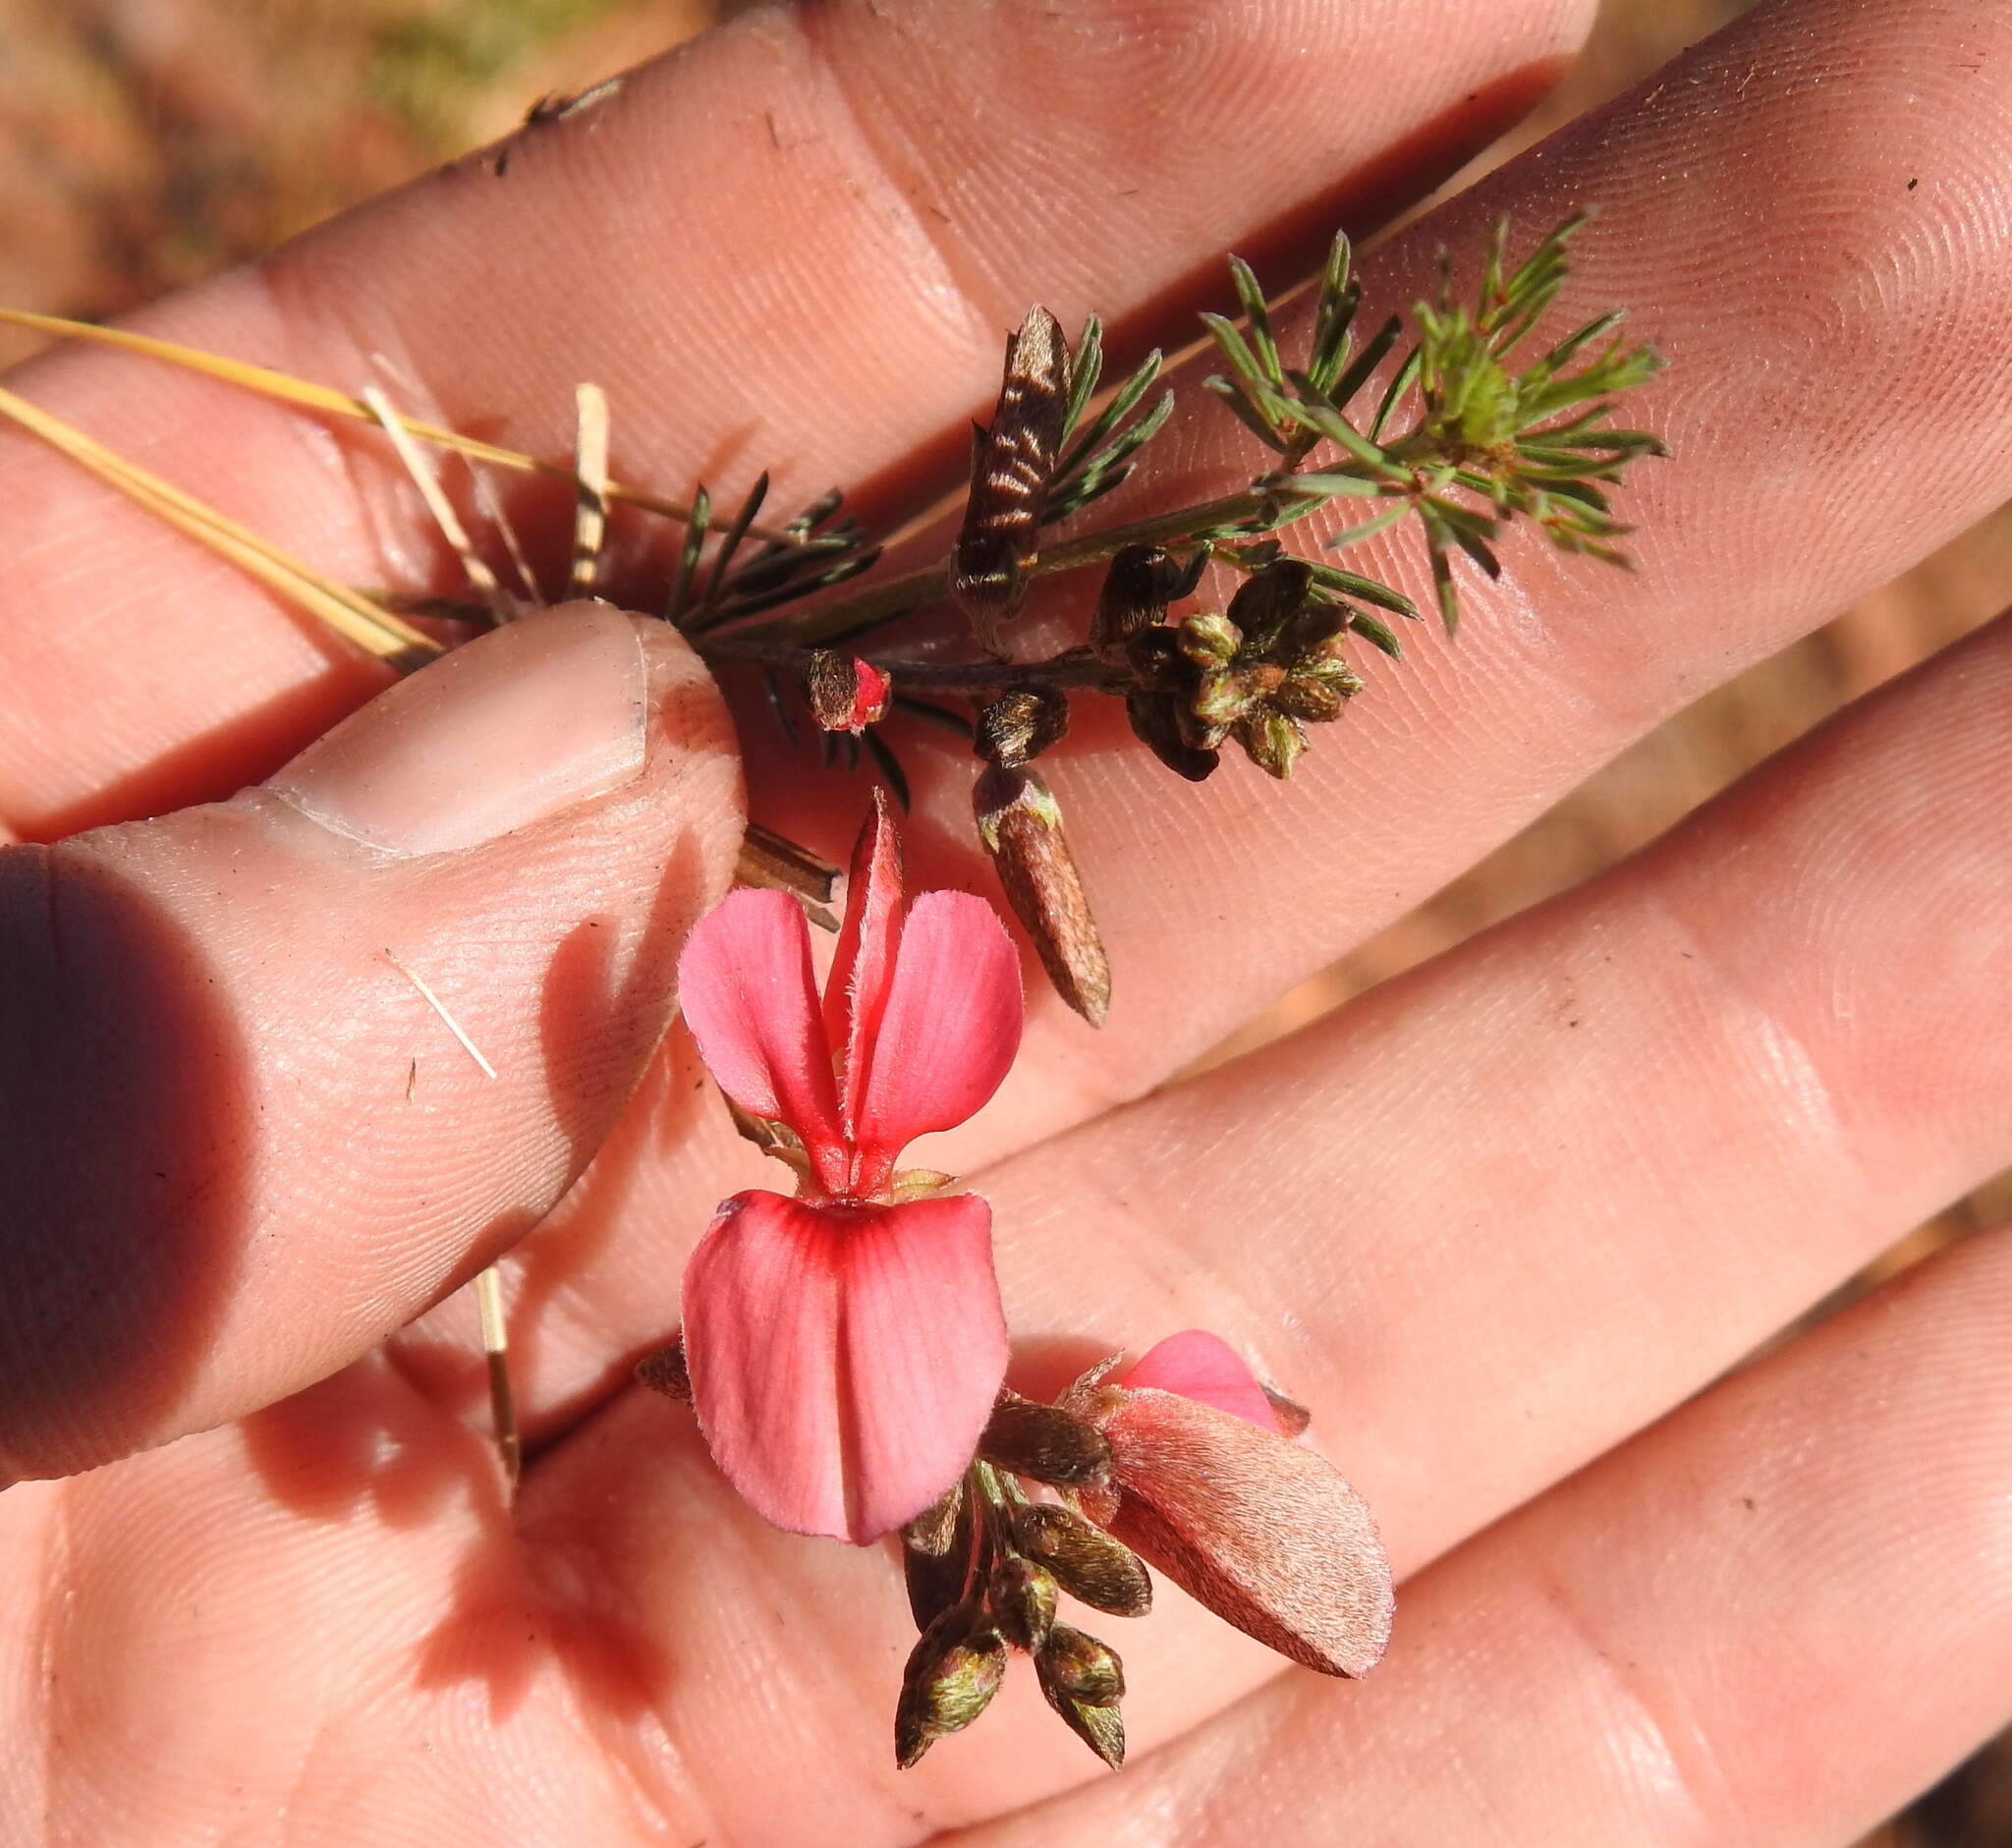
x=688 y=556
x=1333 y=315
x=1102 y=472
x=1226 y=389
x=1086 y=367
x=1366 y=362
x=1376 y=631
x=1364 y=589
x=1368 y=529
x=1260 y=318
x=735 y=533
x=1113 y=414
x=1406 y=377
x=1327 y=481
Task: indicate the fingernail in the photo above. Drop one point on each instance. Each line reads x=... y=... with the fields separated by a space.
x=504 y=732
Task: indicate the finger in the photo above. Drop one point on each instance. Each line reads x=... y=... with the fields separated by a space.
x=805 y=231
x=240 y=1142
x=1484 y=1242
x=1701 y=1639
x=1822 y=362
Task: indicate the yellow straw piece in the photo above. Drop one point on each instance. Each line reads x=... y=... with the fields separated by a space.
x=349 y=612
x=325 y=398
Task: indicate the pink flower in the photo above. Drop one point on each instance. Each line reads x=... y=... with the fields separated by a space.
x=845 y=1347
x=1259 y=1529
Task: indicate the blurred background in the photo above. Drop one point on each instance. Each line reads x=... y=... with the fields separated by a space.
x=144 y=143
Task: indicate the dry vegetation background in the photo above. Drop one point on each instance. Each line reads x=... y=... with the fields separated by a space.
x=144 y=143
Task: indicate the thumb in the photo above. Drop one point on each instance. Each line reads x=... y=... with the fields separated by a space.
x=238 y=1146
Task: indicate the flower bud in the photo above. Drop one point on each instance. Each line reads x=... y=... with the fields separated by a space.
x=1155 y=720
x=1262 y=1529
x=1268 y=601
x=1086 y=1562
x=1022 y=1597
x=1020 y=724
x=1076 y=1663
x=1045 y=1444
x=665 y=1371
x=1133 y=598
x=844 y=693
x=1210 y=638
x=935 y=1556
x=1312 y=699
x=1020 y=827
x=1101 y=1728
x=953 y=1671
x=1272 y=741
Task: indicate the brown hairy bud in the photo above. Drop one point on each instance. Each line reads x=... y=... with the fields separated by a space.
x=1135 y=595
x=1272 y=741
x=845 y=694
x=1022 y=724
x=1268 y=601
x=952 y=1673
x=935 y=1556
x=1020 y=827
x=1086 y=1562
x=665 y=1371
x=1210 y=638
x=1076 y=1663
x=1045 y=1444
x=1313 y=701
x=1101 y=1728
x=1156 y=662
x=1155 y=719
x=1012 y=464
x=1022 y=1597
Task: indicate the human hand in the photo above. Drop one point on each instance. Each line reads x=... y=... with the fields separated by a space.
x=1493 y=1222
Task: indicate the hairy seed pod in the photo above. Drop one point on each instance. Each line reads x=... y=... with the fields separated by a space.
x=1086 y=1562
x=1045 y=1444
x=1020 y=724
x=1012 y=465
x=1020 y=826
x=1101 y=1728
x=1269 y=601
x=1272 y=741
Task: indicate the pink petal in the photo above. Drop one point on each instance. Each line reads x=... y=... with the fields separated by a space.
x=750 y=997
x=844 y=1359
x=925 y=1337
x=948 y=1032
x=1262 y=1531
x=862 y=969
x=1203 y=1367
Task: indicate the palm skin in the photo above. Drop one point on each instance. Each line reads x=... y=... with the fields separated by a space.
x=1494 y=1223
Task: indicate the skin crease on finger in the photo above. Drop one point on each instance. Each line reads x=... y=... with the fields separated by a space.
x=329 y=1518
x=1850 y=361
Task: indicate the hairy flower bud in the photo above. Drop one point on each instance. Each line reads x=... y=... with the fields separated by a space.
x=1312 y=701
x=1155 y=719
x=1022 y=1599
x=1086 y=1562
x=1078 y=1664
x=1020 y=724
x=1210 y=638
x=935 y=1556
x=844 y=693
x=1020 y=827
x=1272 y=741
x=1045 y=1444
x=1267 y=603
x=1135 y=595
x=952 y=1673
